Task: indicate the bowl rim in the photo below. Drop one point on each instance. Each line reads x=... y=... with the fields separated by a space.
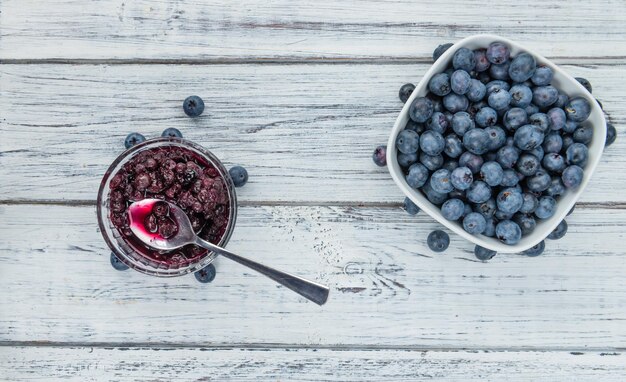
x=563 y=206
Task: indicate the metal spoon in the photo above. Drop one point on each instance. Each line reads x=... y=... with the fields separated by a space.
x=139 y=210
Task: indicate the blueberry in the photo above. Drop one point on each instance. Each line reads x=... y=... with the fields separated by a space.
x=546 y=207
x=572 y=176
x=521 y=95
x=452 y=209
x=487 y=209
x=553 y=162
x=500 y=216
x=206 y=274
x=439 y=84
x=556 y=118
x=540 y=120
x=531 y=109
x=421 y=109
x=528 y=137
x=432 y=142
x=239 y=175
x=408 y=141
x=472 y=161
x=509 y=178
x=500 y=71
x=492 y=173
x=433 y=196
x=460 y=81
x=477 y=91
x=507 y=156
x=467 y=210
x=380 y=156
x=438 y=241
x=476 y=141
x=490 y=227
x=484 y=77
x=456 y=194
x=440 y=50
x=544 y=96
x=438 y=122
x=474 y=223
x=535 y=250
x=509 y=201
x=436 y=101
x=117 y=263
x=543 y=76
x=539 y=182
x=464 y=59
x=583 y=134
x=417 y=176
x=478 y=192
x=486 y=117
x=410 y=207
x=552 y=143
x=522 y=67
x=537 y=152
x=482 y=63
x=570 y=126
x=172 y=132
x=611 y=134
x=528 y=164
x=498 y=52
x=193 y=106
x=530 y=203
x=450 y=165
x=497 y=137
x=525 y=222
x=559 y=231
x=514 y=118
x=453 y=147
x=585 y=83
x=417 y=127
x=508 y=232
x=405 y=160
x=497 y=85
x=431 y=162
x=561 y=101
x=405 y=92
x=499 y=99
x=556 y=187
x=461 y=178
x=133 y=139
x=578 y=109
x=483 y=254
x=454 y=102
x=440 y=181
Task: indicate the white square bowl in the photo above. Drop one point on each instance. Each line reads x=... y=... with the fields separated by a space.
x=564 y=83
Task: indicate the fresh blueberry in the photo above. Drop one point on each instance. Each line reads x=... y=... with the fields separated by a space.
x=556 y=187
x=490 y=227
x=464 y=59
x=438 y=241
x=543 y=76
x=552 y=143
x=452 y=209
x=410 y=207
x=559 y=231
x=239 y=175
x=408 y=141
x=477 y=91
x=570 y=126
x=492 y=173
x=540 y=120
x=421 y=109
x=487 y=209
x=472 y=161
x=499 y=99
x=568 y=140
x=476 y=141
x=171 y=132
x=537 y=152
x=514 y=118
x=193 y=106
x=405 y=92
x=500 y=216
x=117 y=263
x=478 y=192
x=483 y=254
x=544 y=96
x=133 y=139
x=508 y=232
x=509 y=178
x=439 y=84
x=556 y=118
x=522 y=67
x=484 y=77
x=507 y=156
x=433 y=196
x=467 y=210
x=530 y=203
x=440 y=50
x=521 y=95
x=584 y=82
x=577 y=154
x=417 y=127
x=454 y=146
x=497 y=137
x=460 y=81
x=486 y=117
x=509 y=201
x=546 y=207
x=561 y=101
x=583 y=134
x=554 y=162
x=500 y=71
x=528 y=137
x=498 y=52
x=525 y=222
x=611 y=134
x=440 y=181
x=406 y=160
x=206 y=274
x=454 y=102
x=431 y=162
x=535 y=250
x=482 y=63
x=474 y=223
x=528 y=164
x=578 y=109
x=438 y=122
x=380 y=156
x=456 y=194
x=436 y=101
x=572 y=176
x=417 y=176
x=450 y=165
x=497 y=85
x=461 y=123
x=461 y=178
x=432 y=142
x=539 y=182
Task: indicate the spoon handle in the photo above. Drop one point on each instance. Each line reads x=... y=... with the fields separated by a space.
x=313 y=291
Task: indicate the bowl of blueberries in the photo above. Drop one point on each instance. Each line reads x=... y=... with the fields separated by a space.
x=496 y=143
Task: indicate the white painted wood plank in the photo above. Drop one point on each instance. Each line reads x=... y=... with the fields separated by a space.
x=305 y=132
x=235 y=364
x=300 y=29
x=387 y=288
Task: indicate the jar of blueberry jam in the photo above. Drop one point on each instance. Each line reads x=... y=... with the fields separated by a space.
x=180 y=172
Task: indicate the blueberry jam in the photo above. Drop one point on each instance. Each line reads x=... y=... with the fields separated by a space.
x=179 y=176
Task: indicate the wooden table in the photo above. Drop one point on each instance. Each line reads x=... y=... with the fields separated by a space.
x=300 y=94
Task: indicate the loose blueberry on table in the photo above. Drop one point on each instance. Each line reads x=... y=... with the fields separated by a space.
x=193 y=106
